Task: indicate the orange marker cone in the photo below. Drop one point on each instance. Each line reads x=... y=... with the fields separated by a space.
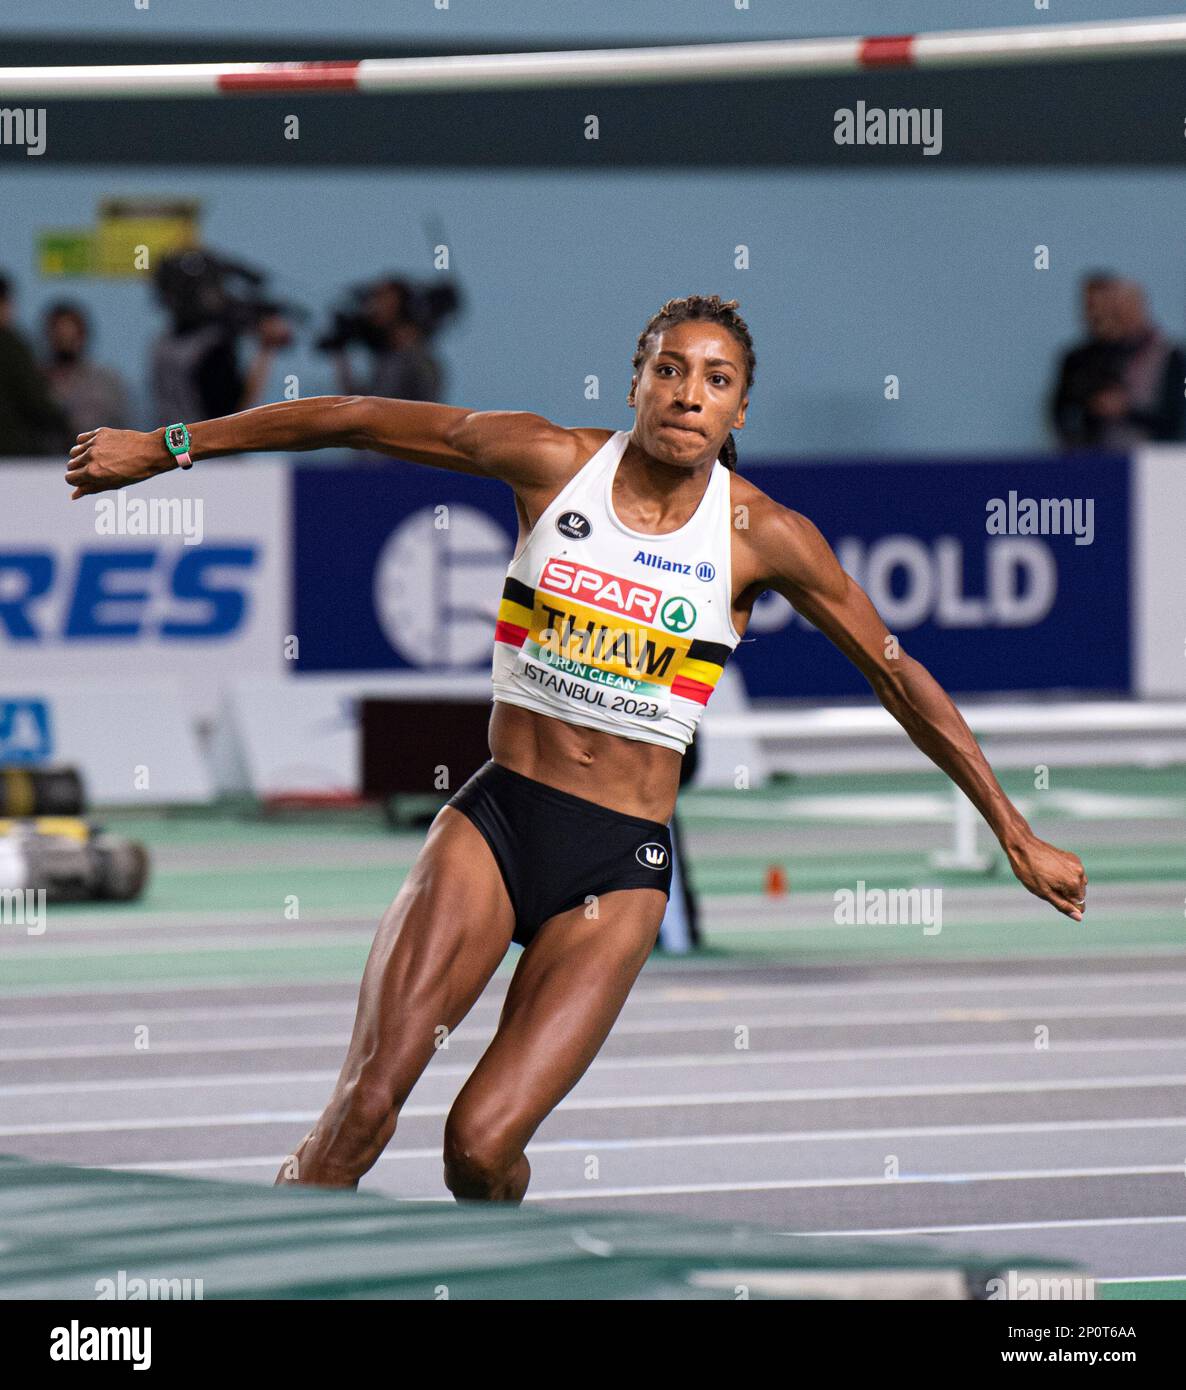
x=776 y=881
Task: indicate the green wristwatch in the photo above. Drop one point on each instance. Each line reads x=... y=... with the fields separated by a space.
x=177 y=443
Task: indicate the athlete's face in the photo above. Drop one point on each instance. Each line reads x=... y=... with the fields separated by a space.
x=689 y=394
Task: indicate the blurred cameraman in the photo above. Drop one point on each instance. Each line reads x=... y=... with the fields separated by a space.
x=212 y=303
x=393 y=321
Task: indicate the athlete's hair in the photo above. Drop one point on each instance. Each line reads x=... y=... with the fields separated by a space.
x=703 y=308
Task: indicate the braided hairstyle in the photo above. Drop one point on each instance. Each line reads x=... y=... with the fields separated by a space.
x=702 y=308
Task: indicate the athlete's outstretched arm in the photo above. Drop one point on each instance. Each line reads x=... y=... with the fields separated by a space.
x=514 y=446
x=804 y=569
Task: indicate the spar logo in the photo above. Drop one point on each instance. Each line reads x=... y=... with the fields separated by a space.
x=678 y=614
x=623 y=596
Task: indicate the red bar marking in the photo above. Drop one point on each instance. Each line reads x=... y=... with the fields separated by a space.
x=887 y=51
x=691 y=690
x=508 y=632
x=288 y=77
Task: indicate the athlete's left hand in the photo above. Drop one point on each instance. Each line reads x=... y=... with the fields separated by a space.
x=1054 y=874
x=104 y=459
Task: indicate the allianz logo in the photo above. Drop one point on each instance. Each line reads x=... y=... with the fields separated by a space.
x=703 y=570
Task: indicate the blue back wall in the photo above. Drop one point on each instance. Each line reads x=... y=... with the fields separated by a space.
x=925 y=275
x=528 y=20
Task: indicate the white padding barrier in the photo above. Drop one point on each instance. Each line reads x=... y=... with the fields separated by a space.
x=869 y=739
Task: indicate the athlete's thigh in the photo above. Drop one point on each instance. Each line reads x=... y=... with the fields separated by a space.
x=568 y=988
x=436 y=948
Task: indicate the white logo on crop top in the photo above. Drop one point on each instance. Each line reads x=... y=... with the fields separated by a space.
x=703 y=570
x=573 y=525
x=651 y=856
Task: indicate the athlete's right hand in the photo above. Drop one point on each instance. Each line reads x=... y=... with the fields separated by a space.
x=104 y=459
x=1055 y=874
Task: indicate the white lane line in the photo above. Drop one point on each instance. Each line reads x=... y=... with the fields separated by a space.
x=101 y=922
x=347 y=980
x=133 y=1017
x=820 y=920
x=603 y=1065
x=185 y=946
x=809 y=918
x=814 y=1184
x=696 y=993
x=983 y=1227
x=642 y=1027
x=686 y=969
x=690 y=994
x=592 y=1191
x=1143 y=1279
x=592 y=1145
x=922 y=807
x=805 y=912
x=635 y=1102
x=173 y=1049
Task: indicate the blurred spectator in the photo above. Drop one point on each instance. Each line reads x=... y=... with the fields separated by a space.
x=1124 y=385
x=31 y=421
x=403 y=368
x=91 y=395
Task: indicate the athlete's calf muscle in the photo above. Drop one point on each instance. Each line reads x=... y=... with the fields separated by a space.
x=434 y=953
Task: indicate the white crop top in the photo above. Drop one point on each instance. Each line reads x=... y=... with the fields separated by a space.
x=615 y=629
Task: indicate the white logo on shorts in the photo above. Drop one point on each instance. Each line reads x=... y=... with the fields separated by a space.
x=651 y=856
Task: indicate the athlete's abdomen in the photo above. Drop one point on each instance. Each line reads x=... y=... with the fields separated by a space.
x=638 y=779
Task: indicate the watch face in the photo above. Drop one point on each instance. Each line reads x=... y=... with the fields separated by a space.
x=175 y=438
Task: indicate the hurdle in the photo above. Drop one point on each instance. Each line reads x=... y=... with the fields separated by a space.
x=863 y=738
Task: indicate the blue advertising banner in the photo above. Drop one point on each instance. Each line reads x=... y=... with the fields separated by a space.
x=1007 y=574
x=397 y=566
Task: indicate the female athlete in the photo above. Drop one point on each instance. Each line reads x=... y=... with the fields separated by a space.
x=639 y=558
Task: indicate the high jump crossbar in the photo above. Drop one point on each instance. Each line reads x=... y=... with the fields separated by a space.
x=684 y=63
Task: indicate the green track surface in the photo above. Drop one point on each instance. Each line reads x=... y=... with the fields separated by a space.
x=1169 y=1289
x=214 y=920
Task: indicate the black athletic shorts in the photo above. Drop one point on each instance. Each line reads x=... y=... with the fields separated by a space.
x=555 y=849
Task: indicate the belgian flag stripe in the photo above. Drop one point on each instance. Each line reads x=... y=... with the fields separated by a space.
x=700 y=671
x=519 y=593
x=691 y=690
x=714 y=652
x=510 y=633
